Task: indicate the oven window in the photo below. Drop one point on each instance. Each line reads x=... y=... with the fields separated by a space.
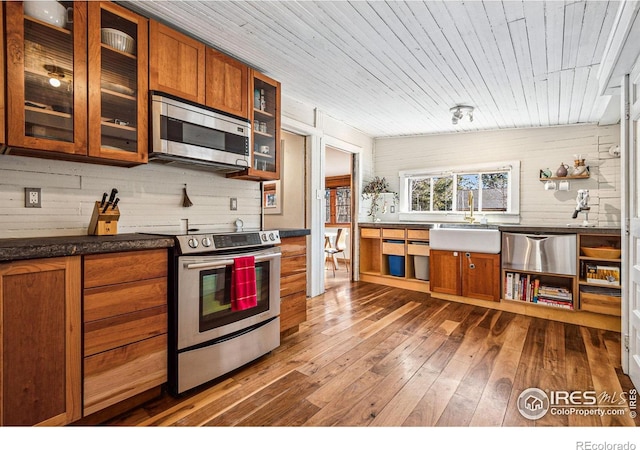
x=215 y=297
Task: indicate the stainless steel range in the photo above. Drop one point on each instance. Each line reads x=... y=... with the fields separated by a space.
x=208 y=336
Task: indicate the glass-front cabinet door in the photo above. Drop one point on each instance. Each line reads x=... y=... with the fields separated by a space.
x=47 y=75
x=266 y=127
x=118 y=83
x=264 y=113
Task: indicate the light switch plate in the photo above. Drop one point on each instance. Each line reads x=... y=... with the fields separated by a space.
x=233 y=204
x=32 y=197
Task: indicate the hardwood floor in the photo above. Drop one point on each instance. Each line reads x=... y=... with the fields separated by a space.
x=372 y=355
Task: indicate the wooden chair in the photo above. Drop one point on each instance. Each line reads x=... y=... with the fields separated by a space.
x=339 y=247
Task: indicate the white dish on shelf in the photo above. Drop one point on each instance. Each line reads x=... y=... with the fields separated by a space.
x=120 y=89
x=48 y=11
x=118 y=40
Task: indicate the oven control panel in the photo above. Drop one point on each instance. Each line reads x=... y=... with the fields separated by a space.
x=201 y=242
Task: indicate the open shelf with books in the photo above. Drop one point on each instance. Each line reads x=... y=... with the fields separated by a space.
x=550 y=290
x=600 y=273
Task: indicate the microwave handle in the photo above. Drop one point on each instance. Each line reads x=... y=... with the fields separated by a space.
x=220 y=263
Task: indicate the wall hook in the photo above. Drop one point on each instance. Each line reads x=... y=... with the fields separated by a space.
x=186 y=201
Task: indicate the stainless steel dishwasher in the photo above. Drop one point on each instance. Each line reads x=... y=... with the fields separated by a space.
x=547 y=253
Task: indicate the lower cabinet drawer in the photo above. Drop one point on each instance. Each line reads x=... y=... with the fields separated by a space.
x=109 y=301
x=600 y=303
x=293 y=310
x=118 y=374
x=293 y=265
x=370 y=232
x=418 y=234
x=107 y=334
x=418 y=249
x=293 y=284
x=389 y=248
x=393 y=233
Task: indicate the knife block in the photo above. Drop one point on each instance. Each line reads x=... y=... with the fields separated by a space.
x=104 y=223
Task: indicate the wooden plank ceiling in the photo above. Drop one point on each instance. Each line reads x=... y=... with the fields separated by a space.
x=392 y=68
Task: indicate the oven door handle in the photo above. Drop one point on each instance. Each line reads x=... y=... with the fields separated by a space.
x=222 y=263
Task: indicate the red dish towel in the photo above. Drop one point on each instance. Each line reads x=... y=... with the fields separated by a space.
x=243 y=283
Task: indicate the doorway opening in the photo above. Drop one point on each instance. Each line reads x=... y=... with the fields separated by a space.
x=339 y=216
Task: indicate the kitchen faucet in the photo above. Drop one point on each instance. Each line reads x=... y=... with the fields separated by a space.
x=470 y=217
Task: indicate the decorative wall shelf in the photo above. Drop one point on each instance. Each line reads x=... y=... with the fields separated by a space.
x=583 y=176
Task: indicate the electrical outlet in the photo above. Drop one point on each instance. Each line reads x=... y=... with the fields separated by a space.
x=233 y=204
x=32 y=197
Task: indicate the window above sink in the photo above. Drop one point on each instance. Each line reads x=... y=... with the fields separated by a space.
x=451 y=194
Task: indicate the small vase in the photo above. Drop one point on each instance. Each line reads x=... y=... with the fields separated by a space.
x=563 y=170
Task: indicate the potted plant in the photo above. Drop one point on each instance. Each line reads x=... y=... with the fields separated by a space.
x=373 y=190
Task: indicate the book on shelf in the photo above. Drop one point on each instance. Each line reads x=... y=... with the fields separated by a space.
x=606 y=275
x=508 y=287
x=520 y=287
x=555 y=303
x=527 y=288
x=536 y=290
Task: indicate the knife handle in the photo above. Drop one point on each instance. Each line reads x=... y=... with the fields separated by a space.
x=112 y=197
x=104 y=199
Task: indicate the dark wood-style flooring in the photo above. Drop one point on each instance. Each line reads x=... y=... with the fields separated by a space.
x=372 y=355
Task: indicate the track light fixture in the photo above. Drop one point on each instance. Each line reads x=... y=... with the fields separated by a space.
x=459 y=111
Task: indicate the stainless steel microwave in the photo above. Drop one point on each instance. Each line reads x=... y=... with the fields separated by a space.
x=191 y=134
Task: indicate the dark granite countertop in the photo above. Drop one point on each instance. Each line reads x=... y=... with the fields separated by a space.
x=293 y=232
x=533 y=229
x=48 y=247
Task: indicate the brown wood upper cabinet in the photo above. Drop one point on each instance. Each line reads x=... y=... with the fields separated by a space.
x=118 y=85
x=40 y=336
x=176 y=63
x=265 y=130
x=73 y=92
x=47 y=81
x=227 y=84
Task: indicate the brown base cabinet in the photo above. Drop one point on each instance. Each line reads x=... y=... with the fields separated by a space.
x=473 y=275
x=293 y=283
x=125 y=326
x=445 y=272
x=40 y=341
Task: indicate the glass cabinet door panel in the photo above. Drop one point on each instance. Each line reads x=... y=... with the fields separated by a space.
x=118 y=84
x=48 y=81
x=47 y=86
x=117 y=44
x=266 y=126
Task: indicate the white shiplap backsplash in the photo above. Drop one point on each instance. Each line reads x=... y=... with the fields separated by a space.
x=150 y=197
x=536 y=148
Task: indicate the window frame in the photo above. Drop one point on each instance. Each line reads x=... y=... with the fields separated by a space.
x=512 y=215
x=332 y=184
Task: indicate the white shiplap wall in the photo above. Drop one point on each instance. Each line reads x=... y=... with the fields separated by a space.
x=536 y=148
x=150 y=197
